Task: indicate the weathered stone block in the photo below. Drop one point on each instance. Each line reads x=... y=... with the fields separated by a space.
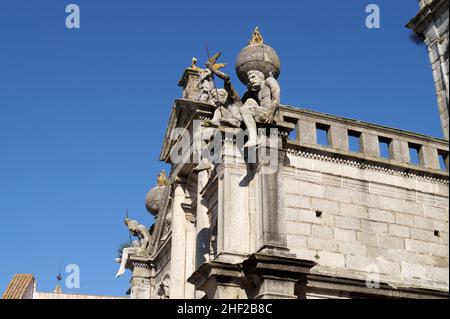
x=296 y=241
x=400 y=151
x=297 y=201
x=399 y=231
x=417 y=246
x=347 y=223
x=437 y=213
x=381 y=215
x=429 y=157
x=391 y=242
x=322 y=244
x=404 y=219
x=324 y=205
x=374 y=227
x=424 y=235
x=353 y=248
x=344 y=234
x=439 y=249
x=339 y=137
x=424 y=223
x=334 y=260
x=413 y=271
x=338 y=194
x=369 y=239
x=413 y=208
x=369 y=144
x=320 y=231
x=391 y=203
x=351 y=210
x=307 y=132
x=359 y=263
x=365 y=199
x=294 y=228
x=312 y=190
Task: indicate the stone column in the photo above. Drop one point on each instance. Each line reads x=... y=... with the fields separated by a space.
x=141 y=278
x=270 y=221
x=178 y=250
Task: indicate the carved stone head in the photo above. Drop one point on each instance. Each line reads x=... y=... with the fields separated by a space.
x=132 y=225
x=256 y=80
x=219 y=96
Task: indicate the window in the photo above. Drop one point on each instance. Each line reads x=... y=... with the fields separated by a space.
x=322 y=131
x=443 y=160
x=354 y=141
x=414 y=153
x=293 y=134
x=385 y=147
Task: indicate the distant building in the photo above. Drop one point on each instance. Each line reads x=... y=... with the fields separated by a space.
x=24 y=286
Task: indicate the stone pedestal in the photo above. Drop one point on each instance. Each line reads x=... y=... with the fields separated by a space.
x=274 y=277
x=140 y=282
x=189 y=82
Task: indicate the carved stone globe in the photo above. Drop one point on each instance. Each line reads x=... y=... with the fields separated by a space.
x=155 y=196
x=257 y=56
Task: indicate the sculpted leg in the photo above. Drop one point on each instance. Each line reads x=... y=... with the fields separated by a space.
x=202 y=137
x=247 y=112
x=125 y=254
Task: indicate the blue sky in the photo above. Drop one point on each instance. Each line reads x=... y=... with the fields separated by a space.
x=83 y=112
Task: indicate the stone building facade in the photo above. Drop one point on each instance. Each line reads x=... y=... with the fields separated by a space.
x=431 y=23
x=354 y=216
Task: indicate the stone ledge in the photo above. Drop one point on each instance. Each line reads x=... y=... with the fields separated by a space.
x=356 y=288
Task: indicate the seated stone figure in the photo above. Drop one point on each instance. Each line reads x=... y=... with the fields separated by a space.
x=261 y=102
x=227 y=99
x=140 y=247
x=227 y=113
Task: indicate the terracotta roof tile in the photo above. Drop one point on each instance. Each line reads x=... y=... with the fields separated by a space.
x=18 y=286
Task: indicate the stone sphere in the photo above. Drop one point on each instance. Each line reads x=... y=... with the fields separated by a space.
x=154 y=199
x=260 y=57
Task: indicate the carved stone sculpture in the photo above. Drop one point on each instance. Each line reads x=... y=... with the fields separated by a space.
x=261 y=103
x=140 y=247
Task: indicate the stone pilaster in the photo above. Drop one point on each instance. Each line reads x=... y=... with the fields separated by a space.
x=141 y=277
x=178 y=251
x=270 y=221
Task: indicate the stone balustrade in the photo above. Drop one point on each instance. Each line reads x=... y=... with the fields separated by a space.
x=374 y=143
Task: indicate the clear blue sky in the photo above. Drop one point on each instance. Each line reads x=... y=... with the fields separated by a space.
x=83 y=112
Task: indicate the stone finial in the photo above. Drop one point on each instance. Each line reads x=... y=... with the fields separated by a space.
x=257 y=37
x=194 y=64
x=162 y=179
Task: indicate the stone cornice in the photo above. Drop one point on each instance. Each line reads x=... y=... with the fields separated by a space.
x=426 y=16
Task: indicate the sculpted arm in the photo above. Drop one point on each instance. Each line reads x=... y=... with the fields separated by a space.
x=275 y=95
x=227 y=83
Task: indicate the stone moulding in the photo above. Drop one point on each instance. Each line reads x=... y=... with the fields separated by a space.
x=386 y=166
x=357 y=288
